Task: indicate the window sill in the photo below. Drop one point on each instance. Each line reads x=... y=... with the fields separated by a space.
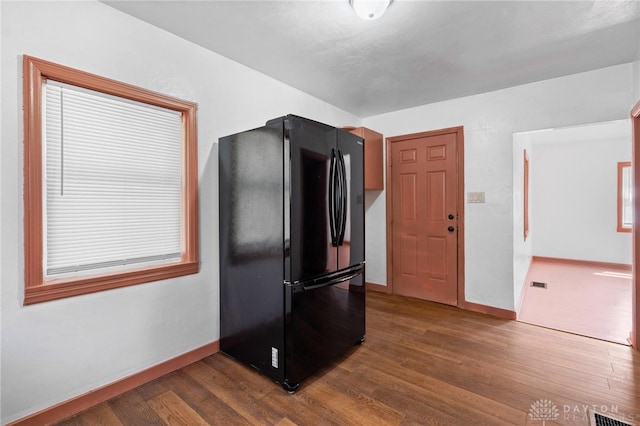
x=60 y=289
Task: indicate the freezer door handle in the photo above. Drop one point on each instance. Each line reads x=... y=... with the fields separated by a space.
x=333 y=279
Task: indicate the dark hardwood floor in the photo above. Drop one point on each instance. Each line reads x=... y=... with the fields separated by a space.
x=422 y=364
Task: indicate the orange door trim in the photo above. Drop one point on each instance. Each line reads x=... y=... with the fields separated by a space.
x=634 y=337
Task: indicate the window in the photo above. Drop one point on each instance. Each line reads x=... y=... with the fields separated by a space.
x=625 y=197
x=110 y=179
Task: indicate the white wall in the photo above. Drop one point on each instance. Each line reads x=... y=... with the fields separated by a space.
x=521 y=247
x=489 y=122
x=636 y=75
x=54 y=351
x=574 y=192
x=375 y=236
x=1 y=221
x=636 y=80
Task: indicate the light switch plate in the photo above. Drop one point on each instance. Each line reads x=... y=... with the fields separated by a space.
x=475 y=197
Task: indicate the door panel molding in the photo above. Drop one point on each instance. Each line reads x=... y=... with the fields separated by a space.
x=458 y=133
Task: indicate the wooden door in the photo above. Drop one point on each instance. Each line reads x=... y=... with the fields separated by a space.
x=424 y=201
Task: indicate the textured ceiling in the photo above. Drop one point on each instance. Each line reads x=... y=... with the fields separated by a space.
x=419 y=52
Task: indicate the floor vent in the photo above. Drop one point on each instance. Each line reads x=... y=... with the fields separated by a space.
x=597 y=419
x=538 y=284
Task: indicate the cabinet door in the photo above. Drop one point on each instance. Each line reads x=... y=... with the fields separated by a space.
x=373 y=176
x=373 y=168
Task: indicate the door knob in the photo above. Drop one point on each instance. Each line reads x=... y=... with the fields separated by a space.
x=451 y=217
x=451 y=229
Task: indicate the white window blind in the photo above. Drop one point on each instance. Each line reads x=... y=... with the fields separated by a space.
x=111 y=183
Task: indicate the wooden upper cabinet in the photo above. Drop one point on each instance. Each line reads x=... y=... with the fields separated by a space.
x=373 y=176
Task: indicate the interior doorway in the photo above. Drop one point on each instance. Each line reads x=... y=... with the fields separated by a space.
x=572 y=265
x=587 y=298
x=425 y=215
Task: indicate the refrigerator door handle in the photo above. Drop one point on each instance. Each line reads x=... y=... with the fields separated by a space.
x=338 y=198
x=343 y=199
x=332 y=199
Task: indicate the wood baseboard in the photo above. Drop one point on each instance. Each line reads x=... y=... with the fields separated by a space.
x=376 y=287
x=82 y=402
x=489 y=310
x=582 y=262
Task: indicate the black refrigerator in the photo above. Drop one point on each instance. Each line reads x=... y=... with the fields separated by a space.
x=292 y=298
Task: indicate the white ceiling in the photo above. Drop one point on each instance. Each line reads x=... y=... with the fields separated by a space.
x=419 y=52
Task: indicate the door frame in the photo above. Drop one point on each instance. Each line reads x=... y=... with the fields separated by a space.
x=634 y=336
x=459 y=132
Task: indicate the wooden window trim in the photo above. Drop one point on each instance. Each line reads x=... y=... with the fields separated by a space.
x=621 y=227
x=37 y=289
x=526 y=195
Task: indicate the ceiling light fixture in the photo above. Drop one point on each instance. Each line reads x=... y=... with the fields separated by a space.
x=370 y=9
